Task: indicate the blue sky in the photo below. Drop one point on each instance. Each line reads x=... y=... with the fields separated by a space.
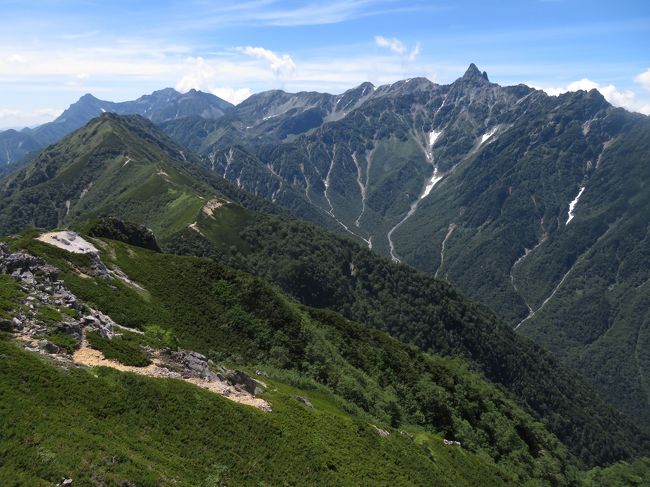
x=54 y=51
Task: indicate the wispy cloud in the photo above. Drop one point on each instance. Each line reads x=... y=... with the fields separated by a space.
x=207 y=76
x=393 y=44
x=277 y=13
x=398 y=47
x=78 y=35
x=244 y=65
x=281 y=65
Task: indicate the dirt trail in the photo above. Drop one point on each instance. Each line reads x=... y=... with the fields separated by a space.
x=94 y=358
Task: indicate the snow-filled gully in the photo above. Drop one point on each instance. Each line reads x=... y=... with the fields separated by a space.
x=572 y=205
x=435 y=178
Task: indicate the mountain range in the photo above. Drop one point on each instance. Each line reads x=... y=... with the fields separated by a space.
x=530 y=204
x=159 y=106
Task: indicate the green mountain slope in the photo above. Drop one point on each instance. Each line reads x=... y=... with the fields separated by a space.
x=326 y=271
x=114 y=165
x=534 y=205
x=161 y=429
x=153 y=431
x=190 y=211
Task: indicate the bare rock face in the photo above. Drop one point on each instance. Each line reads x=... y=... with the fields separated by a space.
x=245 y=382
x=305 y=401
x=40 y=282
x=44 y=291
x=99 y=322
x=194 y=363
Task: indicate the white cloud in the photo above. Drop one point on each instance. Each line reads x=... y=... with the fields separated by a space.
x=17 y=118
x=233 y=95
x=626 y=99
x=271 y=12
x=415 y=52
x=398 y=47
x=200 y=77
x=204 y=76
x=16 y=59
x=644 y=79
x=128 y=68
x=280 y=65
x=393 y=44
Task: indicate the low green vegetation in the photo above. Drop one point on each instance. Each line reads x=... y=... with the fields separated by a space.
x=122 y=348
x=324 y=271
x=103 y=427
x=49 y=315
x=63 y=340
x=498 y=200
x=227 y=314
x=634 y=473
x=238 y=319
x=9 y=294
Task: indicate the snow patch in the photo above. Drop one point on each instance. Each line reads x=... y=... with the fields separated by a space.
x=572 y=205
x=436 y=177
x=85 y=190
x=69 y=241
x=450 y=230
x=103 y=111
x=487 y=135
x=195 y=226
x=433 y=136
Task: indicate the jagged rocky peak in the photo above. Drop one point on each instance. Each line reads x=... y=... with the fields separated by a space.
x=473 y=74
x=354 y=95
x=365 y=86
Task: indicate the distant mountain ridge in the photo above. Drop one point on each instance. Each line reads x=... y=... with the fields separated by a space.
x=159 y=106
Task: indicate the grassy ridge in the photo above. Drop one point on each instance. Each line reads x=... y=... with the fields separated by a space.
x=239 y=319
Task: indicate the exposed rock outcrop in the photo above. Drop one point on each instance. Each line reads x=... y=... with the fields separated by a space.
x=46 y=293
x=305 y=401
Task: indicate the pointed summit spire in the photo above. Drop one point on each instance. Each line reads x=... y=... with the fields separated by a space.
x=474 y=75
x=472 y=71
